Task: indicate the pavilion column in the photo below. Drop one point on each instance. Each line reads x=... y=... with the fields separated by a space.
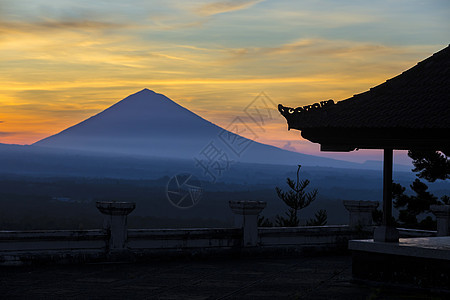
x=387 y=186
x=387 y=232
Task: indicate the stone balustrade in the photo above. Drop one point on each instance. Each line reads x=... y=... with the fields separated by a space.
x=116 y=241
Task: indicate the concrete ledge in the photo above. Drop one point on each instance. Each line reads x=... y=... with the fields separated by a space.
x=42 y=241
x=428 y=247
x=304 y=229
x=71 y=256
x=53 y=234
x=417 y=262
x=185 y=233
x=51 y=246
x=309 y=239
x=410 y=233
x=306 y=236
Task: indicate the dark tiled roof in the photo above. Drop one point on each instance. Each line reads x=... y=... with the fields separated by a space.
x=417 y=98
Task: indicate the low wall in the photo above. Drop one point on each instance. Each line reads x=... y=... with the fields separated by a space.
x=65 y=246
x=195 y=241
x=330 y=236
x=62 y=246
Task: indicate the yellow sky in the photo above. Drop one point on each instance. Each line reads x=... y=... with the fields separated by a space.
x=61 y=63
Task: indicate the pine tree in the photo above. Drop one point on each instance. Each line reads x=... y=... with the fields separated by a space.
x=264 y=222
x=296 y=199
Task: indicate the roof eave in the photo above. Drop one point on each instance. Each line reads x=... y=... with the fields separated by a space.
x=349 y=139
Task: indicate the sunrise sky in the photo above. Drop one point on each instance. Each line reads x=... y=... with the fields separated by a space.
x=63 y=61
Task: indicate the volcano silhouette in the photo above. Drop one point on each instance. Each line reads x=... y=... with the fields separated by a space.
x=150 y=124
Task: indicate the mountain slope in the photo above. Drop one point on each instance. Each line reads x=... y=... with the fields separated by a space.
x=144 y=123
x=150 y=124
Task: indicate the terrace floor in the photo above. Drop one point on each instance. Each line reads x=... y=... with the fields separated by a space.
x=318 y=277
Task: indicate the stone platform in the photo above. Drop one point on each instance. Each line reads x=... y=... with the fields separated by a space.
x=313 y=277
x=419 y=262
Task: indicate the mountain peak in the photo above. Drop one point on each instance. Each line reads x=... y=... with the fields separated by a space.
x=137 y=123
x=146 y=90
x=148 y=94
x=145 y=97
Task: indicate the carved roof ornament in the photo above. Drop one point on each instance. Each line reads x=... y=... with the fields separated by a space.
x=284 y=110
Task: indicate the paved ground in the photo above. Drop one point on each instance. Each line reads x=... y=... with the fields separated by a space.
x=326 y=277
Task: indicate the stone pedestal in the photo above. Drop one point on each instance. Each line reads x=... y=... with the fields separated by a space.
x=442 y=213
x=360 y=212
x=115 y=223
x=247 y=218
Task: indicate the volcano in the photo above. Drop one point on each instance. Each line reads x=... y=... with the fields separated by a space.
x=150 y=124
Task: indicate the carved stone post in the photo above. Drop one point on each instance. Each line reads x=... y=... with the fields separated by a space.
x=360 y=212
x=115 y=223
x=247 y=218
x=442 y=213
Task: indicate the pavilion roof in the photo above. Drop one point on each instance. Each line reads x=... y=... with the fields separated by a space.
x=411 y=106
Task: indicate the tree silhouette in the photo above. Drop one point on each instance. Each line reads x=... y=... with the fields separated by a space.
x=320 y=218
x=430 y=165
x=296 y=199
x=411 y=206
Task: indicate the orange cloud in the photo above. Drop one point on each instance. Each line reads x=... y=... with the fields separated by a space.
x=219 y=7
x=55 y=25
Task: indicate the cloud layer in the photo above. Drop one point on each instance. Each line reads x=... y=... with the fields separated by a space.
x=62 y=61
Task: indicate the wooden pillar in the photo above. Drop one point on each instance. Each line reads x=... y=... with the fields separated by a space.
x=387 y=186
x=387 y=232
